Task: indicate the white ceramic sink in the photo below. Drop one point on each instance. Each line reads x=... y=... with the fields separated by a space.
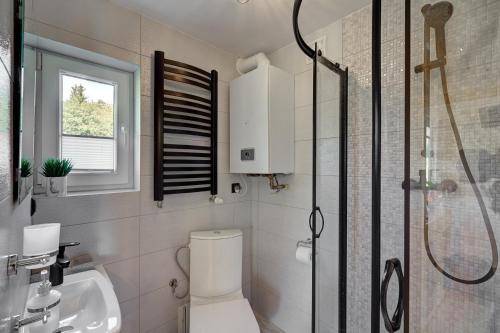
x=88 y=303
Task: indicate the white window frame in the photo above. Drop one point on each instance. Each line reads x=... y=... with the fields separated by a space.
x=48 y=133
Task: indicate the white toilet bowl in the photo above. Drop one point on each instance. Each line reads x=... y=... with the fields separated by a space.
x=217 y=302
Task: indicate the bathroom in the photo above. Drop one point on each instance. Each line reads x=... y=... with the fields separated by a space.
x=342 y=174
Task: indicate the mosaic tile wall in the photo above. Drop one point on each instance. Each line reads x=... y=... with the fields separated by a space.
x=458 y=238
x=356 y=55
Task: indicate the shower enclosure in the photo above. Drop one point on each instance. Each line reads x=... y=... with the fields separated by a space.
x=435 y=166
x=454 y=150
x=418 y=214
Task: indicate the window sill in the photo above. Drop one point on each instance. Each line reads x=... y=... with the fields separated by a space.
x=85 y=193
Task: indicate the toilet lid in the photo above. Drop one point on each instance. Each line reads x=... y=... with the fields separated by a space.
x=223 y=317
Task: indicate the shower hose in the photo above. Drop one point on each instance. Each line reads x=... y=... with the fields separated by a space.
x=465 y=164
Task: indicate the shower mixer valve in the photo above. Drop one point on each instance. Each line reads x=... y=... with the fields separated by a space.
x=446 y=185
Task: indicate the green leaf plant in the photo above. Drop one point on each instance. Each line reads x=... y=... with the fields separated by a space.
x=26 y=168
x=55 y=167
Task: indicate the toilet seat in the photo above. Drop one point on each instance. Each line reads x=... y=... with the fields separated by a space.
x=223 y=317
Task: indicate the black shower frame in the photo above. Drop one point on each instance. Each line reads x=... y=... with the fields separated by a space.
x=377 y=163
x=343 y=153
x=343 y=73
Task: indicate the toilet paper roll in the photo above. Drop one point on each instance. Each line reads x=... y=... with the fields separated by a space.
x=304 y=255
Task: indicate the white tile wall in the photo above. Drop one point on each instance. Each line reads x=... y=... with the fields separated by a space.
x=125 y=277
x=127 y=232
x=49 y=31
x=75 y=210
x=158 y=267
x=157 y=308
x=110 y=24
x=104 y=241
x=130 y=316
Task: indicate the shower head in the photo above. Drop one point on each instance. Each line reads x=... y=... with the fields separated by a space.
x=438 y=14
x=436 y=17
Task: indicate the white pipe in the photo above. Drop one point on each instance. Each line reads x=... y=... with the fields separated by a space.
x=249 y=64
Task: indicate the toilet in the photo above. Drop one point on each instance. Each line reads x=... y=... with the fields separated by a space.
x=217 y=302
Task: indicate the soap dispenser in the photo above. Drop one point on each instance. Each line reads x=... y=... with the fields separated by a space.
x=57 y=269
x=46 y=299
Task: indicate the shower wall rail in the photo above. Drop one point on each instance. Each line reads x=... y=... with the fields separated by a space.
x=379 y=288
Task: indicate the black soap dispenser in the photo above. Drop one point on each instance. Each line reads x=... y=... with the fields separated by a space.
x=56 y=276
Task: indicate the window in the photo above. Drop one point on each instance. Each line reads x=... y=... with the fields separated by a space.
x=86 y=112
x=88 y=136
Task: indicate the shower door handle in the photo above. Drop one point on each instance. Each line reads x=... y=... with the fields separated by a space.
x=392 y=324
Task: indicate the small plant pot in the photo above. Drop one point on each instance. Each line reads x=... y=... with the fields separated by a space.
x=56 y=186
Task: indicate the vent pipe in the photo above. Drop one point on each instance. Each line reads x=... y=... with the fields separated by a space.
x=245 y=65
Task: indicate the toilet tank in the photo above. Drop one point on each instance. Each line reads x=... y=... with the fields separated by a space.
x=215 y=262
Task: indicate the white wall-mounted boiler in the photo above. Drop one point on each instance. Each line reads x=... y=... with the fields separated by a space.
x=262 y=120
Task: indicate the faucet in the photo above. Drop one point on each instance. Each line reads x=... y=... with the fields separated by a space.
x=56 y=276
x=19 y=322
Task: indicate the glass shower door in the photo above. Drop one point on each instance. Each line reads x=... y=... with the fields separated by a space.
x=434 y=179
x=328 y=165
x=455 y=167
x=328 y=217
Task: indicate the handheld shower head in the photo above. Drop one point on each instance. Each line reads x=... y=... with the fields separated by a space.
x=438 y=14
x=436 y=17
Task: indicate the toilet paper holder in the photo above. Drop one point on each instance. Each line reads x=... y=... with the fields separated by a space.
x=306 y=243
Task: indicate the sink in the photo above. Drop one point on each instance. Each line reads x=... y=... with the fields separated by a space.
x=88 y=303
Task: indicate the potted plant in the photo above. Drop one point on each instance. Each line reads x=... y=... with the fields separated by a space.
x=55 y=171
x=26 y=180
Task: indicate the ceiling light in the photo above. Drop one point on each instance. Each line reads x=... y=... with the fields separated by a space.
x=242 y=1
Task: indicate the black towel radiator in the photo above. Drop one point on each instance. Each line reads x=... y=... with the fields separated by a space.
x=185 y=108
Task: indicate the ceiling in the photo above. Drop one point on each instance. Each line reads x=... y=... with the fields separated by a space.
x=243 y=29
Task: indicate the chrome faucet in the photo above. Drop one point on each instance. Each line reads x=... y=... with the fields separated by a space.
x=17 y=322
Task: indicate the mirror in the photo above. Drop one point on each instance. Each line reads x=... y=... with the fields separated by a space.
x=23 y=109
x=27 y=152
x=17 y=74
